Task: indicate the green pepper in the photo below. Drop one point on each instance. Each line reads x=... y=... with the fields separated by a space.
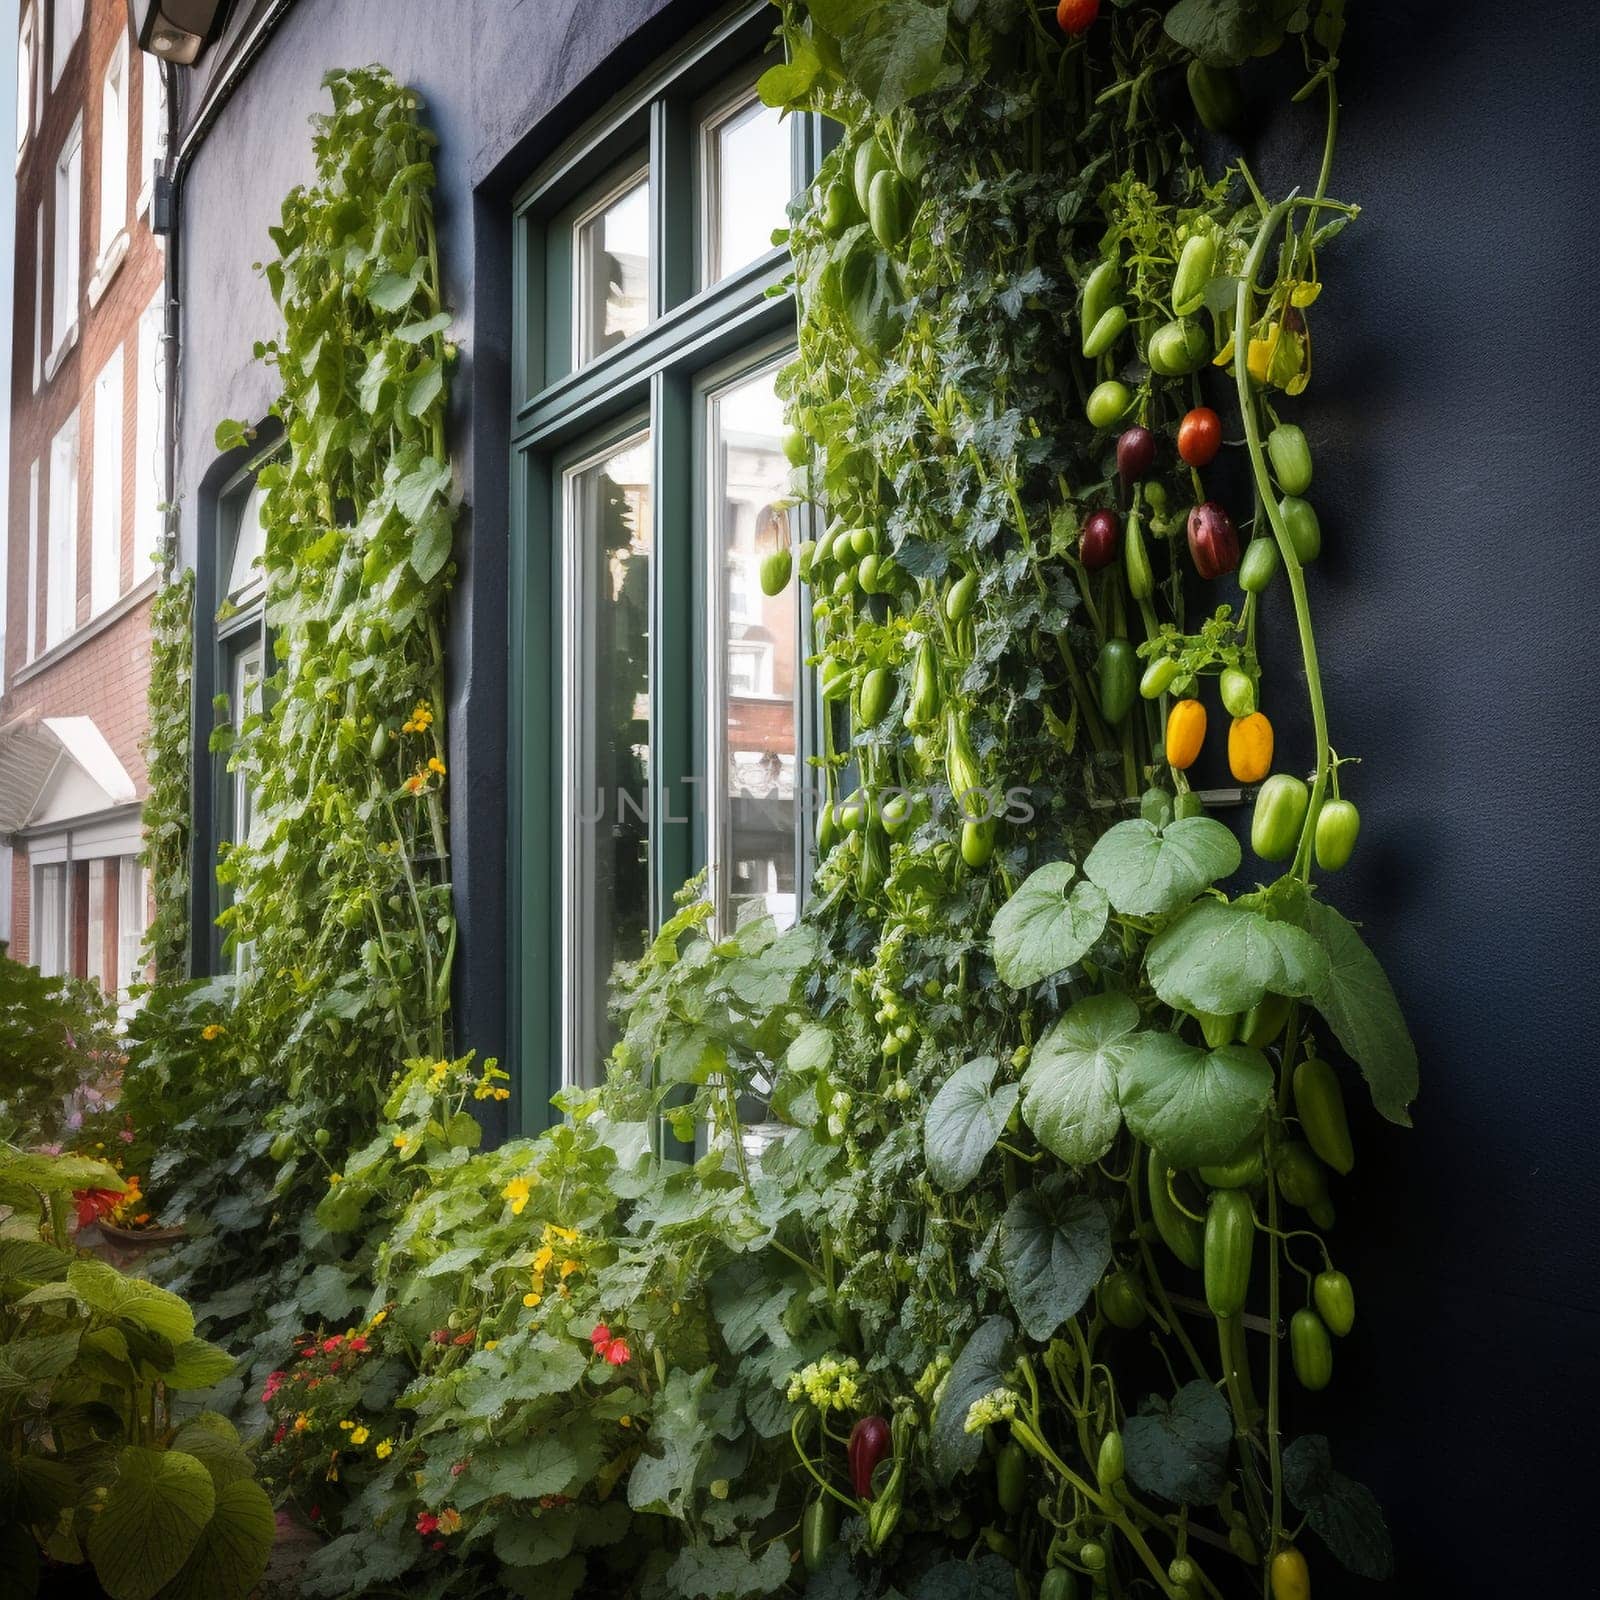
x=1310 y=1349
x=1242 y=1170
x=1336 y=1301
x=1158 y=677
x=819 y=1528
x=873 y=867
x=1121 y=1302
x=1291 y=458
x=890 y=206
x=895 y=812
x=1280 y=814
x=877 y=691
x=1178 y=348
x=1303 y=1181
x=1229 y=1244
x=870 y=160
x=1301 y=524
x=1238 y=691
x=1107 y=329
x=1181 y=1234
x=925 y=697
x=1217 y=97
x=1338 y=823
x=839 y=208
x=1102 y=289
x=827 y=830
x=1264 y=1021
x=1319 y=1105
x=1059 y=1583
x=958 y=601
x=1196 y=262
x=1011 y=1477
x=1117 y=678
x=1108 y=403
x=1260 y=564
x=1111 y=1460
x=977 y=842
x=1141 y=577
x=776 y=566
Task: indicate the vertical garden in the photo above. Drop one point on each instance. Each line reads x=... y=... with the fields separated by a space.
x=1031 y=1298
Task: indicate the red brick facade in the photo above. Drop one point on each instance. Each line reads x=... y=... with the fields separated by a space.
x=101 y=668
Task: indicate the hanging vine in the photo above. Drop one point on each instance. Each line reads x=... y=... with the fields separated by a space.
x=170 y=780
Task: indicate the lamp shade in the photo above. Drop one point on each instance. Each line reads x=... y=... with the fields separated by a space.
x=176 y=30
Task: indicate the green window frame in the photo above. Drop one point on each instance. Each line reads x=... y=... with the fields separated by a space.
x=577 y=399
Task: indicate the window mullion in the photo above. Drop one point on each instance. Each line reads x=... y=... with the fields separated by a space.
x=674 y=206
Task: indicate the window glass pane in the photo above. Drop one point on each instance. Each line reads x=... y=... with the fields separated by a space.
x=105 y=489
x=611 y=259
x=748 y=184
x=61 y=572
x=132 y=905
x=606 y=844
x=244 y=702
x=753 y=806
x=50 y=920
x=249 y=545
x=114 y=149
x=101 y=909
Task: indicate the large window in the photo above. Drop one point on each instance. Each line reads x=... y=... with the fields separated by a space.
x=61 y=559
x=105 y=488
x=69 y=199
x=664 y=702
x=113 y=151
x=89 y=918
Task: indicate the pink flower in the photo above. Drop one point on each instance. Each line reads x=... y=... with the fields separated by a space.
x=427 y=1523
x=600 y=1338
x=618 y=1353
x=330 y=1345
x=359 y=1345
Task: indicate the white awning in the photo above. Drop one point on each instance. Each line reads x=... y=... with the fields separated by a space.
x=57 y=769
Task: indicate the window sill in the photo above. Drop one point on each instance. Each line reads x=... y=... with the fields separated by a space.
x=53 y=361
x=105 y=270
x=118 y=609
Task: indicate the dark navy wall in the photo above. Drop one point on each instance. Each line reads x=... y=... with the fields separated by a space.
x=1453 y=418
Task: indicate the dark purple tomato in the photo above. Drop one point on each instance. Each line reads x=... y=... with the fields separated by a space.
x=1136 y=453
x=1213 y=543
x=1097 y=544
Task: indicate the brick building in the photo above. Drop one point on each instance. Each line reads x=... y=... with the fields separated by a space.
x=84 y=499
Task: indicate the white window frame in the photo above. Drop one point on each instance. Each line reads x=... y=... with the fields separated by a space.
x=62 y=40
x=150 y=421
x=33 y=559
x=38 y=298
x=50 y=888
x=68 y=247
x=25 y=49
x=115 y=105
x=105 y=488
x=133 y=896
x=153 y=126
x=61 y=565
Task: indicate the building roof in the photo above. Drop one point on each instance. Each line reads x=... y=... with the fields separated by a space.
x=57 y=769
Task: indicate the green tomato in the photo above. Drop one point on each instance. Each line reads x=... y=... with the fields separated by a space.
x=1108 y=403
x=1301 y=524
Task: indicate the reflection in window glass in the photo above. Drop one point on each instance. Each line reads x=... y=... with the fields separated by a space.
x=246 y=703
x=753 y=805
x=612 y=266
x=606 y=905
x=748 y=185
x=249 y=545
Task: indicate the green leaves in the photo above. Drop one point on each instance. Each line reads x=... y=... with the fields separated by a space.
x=964 y=1120
x=1149 y=871
x=1225 y=33
x=893 y=50
x=664 y=1475
x=1195 y=1106
x=1070 y=1095
x=104 y=1289
x=1221 y=957
x=1344 y=1514
x=980 y=1367
x=1053 y=1250
x=1178 y=1449
x=1040 y=931
x=233 y=1549
x=151 y=1521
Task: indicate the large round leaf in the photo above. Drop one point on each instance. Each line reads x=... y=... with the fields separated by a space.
x=234 y=1547
x=151 y=1521
x=1148 y=871
x=1070 y=1087
x=1216 y=957
x=980 y=1367
x=1053 y=1250
x=964 y=1120
x=1195 y=1106
x=1041 y=930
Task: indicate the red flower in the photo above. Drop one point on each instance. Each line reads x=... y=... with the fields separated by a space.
x=600 y=1338
x=314 y=1514
x=274 y=1384
x=94 y=1204
x=618 y=1353
x=330 y=1345
x=283 y=1428
x=467 y=1337
x=440 y=1336
x=359 y=1345
x=427 y=1523
x=457 y=1468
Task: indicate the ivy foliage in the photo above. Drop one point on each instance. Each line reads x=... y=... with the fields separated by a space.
x=169 y=776
x=339 y=912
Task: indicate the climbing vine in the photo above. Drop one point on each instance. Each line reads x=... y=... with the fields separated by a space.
x=169 y=784
x=338 y=903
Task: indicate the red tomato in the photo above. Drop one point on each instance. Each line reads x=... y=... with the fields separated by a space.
x=1200 y=436
x=1075 y=16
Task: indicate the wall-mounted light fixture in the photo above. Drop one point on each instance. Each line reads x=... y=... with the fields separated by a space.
x=176 y=30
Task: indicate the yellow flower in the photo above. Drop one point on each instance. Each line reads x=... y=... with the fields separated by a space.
x=491 y=1344
x=542 y=1258
x=624 y=1422
x=565 y=1235
x=359 y=1436
x=449 y=1520
x=401 y=1140
x=569 y=1267
x=346 y=1426
x=335 y=1177
x=212 y=1030
x=383 y=1449
x=517 y=1192
x=530 y=1300
x=502 y=1094
x=378 y=1320
x=436 y=765
x=300 y=1423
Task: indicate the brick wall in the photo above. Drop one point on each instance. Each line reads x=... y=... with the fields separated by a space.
x=101 y=672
